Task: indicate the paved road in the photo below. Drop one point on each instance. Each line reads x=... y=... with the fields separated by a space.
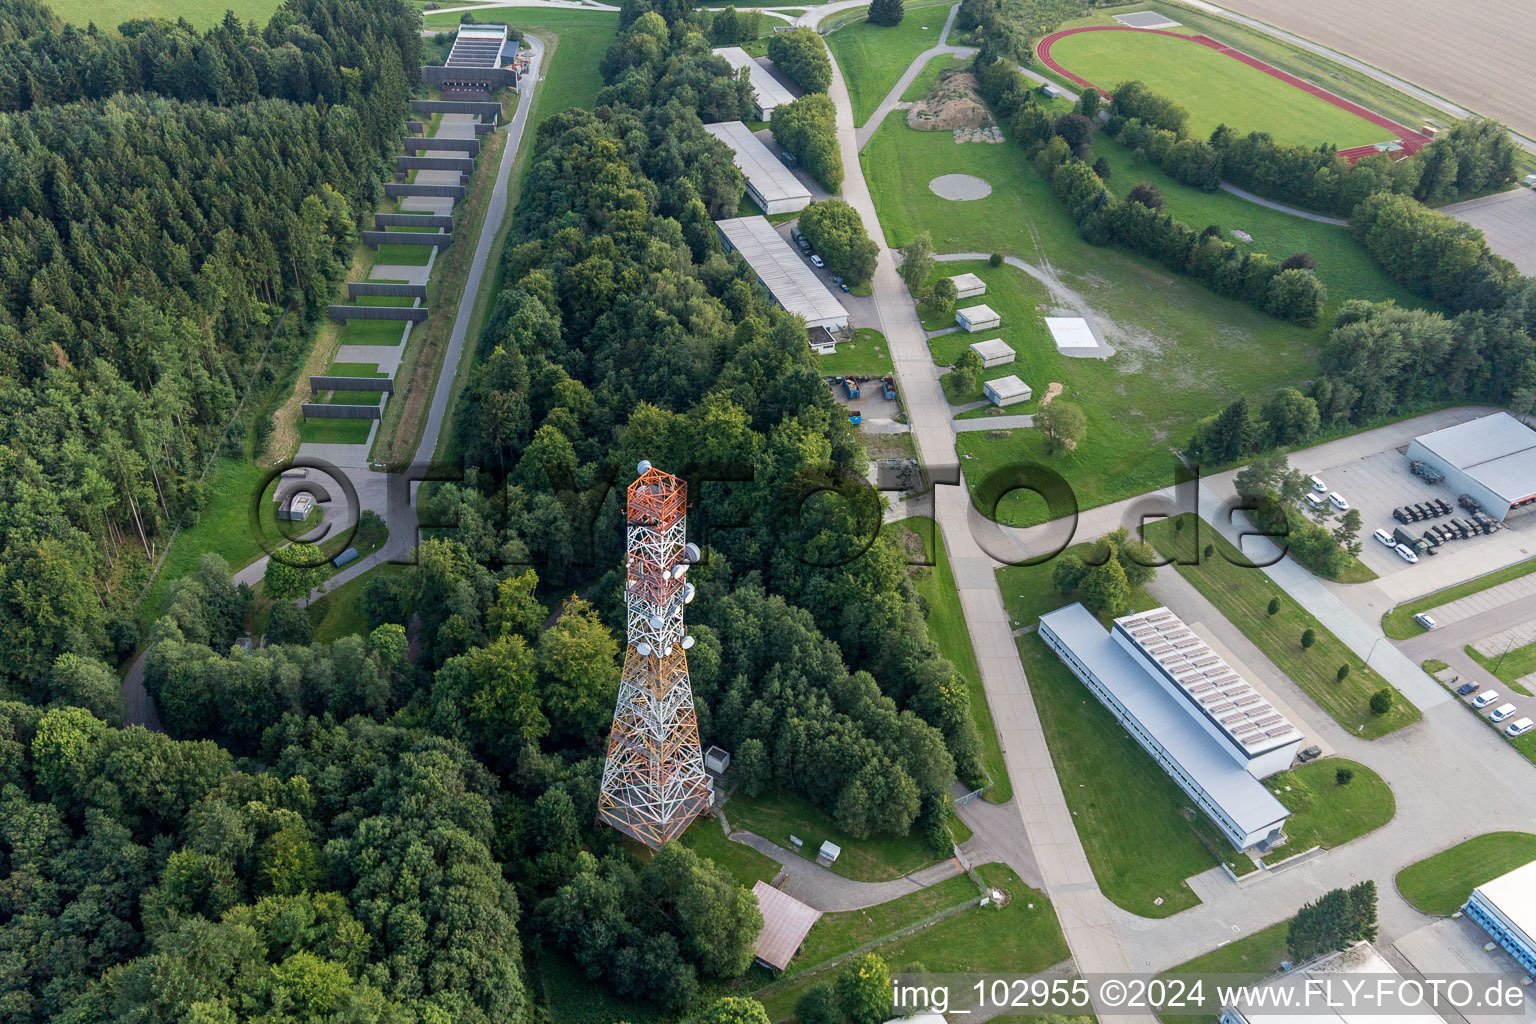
x=827 y=891
x=1270 y=204
x=1049 y=841
x=1021 y=420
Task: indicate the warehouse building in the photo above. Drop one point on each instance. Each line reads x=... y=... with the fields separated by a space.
x=767 y=92
x=993 y=352
x=1492 y=458
x=1278 y=1007
x=771 y=185
x=1506 y=910
x=1006 y=391
x=968 y=286
x=790 y=281
x=978 y=318
x=1201 y=722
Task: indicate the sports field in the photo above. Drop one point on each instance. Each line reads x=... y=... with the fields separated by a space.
x=1212 y=86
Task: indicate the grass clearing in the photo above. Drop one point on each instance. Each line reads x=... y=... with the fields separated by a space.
x=1242 y=593
x=1184 y=352
x=874 y=57
x=1398 y=623
x=1324 y=813
x=339 y=613
x=1441 y=884
x=1213 y=87
x=776 y=816
x=837 y=933
x=867 y=354
x=109 y=14
x=401 y=255
x=947 y=629
x=1135 y=824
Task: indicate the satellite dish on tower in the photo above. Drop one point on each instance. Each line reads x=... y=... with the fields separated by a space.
x=688 y=592
x=644 y=467
x=655 y=621
x=687 y=643
x=643 y=649
x=668 y=652
x=691 y=552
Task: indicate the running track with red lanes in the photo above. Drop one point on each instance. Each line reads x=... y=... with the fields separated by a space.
x=1411 y=140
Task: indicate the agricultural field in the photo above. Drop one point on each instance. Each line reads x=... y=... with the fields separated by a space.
x=1182 y=351
x=1471 y=54
x=1213 y=87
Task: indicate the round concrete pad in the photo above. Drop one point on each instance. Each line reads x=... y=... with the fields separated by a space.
x=960 y=187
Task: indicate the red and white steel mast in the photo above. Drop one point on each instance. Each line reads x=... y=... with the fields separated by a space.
x=654 y=783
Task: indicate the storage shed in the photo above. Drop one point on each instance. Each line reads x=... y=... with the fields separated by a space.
x=1006 y=391
x=993 y=352
x=968 y=286
x=978 y=318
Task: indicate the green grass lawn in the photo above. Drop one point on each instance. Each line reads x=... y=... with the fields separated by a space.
x=372 y=332
x=1135 y=824
x=874 y=57
x=1184 y=351
x=1509 y=666
x=1398 y=623
x=1441 y=884
x=947 y=629
x=868 y=353
x=108 y=14
x=1213 y=87
x=837 y=933
x=1021 y=937
x=339 y=613
x=929 y=76
x=403 y=255
x=1243 y=594
x=1258 y=955
x=324 y=431
x=1324 y=813
x=355 y=370
x=777 y=816
x=705 y=838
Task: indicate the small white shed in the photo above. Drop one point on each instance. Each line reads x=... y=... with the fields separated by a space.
x=993 y=352
x=716 y=760
x=829 y=852
x=1006 y=391
x=968 y=286
x=978 y=318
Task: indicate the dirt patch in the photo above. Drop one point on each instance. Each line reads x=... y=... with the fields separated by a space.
x=1052 y=390
x=953 y=105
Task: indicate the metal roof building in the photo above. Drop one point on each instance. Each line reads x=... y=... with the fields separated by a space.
x=1506 y=908
x=1492 y=458
x=772 y=186
x=474 y=63
x=993 y=352
x=968 y=286
x=767 y=92
x=1166 y=726
x=1006 y=391
x=786 y=922
x=790 y=281
x=978 y=318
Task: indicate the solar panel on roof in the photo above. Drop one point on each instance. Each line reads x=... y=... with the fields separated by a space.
x=1246 y=699
x=1283 y=730
x=1265 y=723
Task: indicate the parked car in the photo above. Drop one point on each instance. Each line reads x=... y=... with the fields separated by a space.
x=816 y=261
x=1485 y=698
x=1310 y=754
x=1519 y=727
x=1318 y=485
x=1406 y=553
x=1501 y=712
x=840 y=284
x=1386 y=538
x=1466 y=688
x=1315 y=500
x=1425 y=620
x=1337 y=501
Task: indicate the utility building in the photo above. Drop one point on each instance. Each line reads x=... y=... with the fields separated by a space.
x=767 y=92
x=993 y=352
x=1006 y=391
x=790 y=281
x=1202 y=723
x=968 y=286
x=978 y=318
x=772 y=186
x=1492 y=458
x=1506 y=909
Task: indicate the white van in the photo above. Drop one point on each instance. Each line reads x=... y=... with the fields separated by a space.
x=1386 y=538
x=1485 y=698
x=1519 y=727
x=1317 y=484
x=1426 y=620
x=1315 y=500
x=1337 y=501
x=1406 y=553
x=1501 y=712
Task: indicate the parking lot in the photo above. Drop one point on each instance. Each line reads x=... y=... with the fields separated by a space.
x=877 y=411
x=1379 y=483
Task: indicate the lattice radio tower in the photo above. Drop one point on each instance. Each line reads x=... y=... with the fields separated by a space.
x=653 y=782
